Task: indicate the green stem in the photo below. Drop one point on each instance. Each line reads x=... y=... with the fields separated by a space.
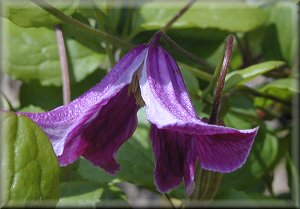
x=108 y=49
x=177 y=16
x=185 y=53
x=198 y=73
x=170 y=200
x=78 y=25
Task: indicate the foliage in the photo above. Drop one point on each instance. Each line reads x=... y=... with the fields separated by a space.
x=265 y=49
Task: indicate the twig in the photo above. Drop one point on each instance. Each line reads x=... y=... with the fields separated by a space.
x=78 y=25
x=63 y=65
x=177 y=16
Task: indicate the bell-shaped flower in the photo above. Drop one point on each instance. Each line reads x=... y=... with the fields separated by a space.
x=97 y=123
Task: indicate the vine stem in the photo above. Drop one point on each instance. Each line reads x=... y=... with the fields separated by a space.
x=116 y=41
x=177 y=16
x=63 y=65
x=199 y=61
x=170 y=200
x=78 y=25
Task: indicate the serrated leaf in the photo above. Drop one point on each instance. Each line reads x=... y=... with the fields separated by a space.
x=239 y=77
x=233 y=17
x=32 y=54
x=90 y=194
x=29 y=167
x=26 y=14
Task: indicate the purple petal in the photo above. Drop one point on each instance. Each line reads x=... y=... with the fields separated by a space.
x=175 y=159
x=168 y=105
x=99 y=139
x=225 y=152
x=169 y=108
x=63 y=123
x=163 y=88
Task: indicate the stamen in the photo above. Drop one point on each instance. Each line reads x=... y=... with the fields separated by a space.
x=134 y=88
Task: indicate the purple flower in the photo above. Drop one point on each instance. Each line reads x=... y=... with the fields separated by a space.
x=97 y=123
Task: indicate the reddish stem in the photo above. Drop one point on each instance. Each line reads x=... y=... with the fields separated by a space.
x=226 y=59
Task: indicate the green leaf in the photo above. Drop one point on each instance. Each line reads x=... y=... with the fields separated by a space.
x=232 y=17
x=31 y=108
x=241 y=114
x=27 y=14
x=285 y=19
x=191 y=82
x=90 y=194
x=239 y=77
x=29 y=165
x=50 y=97
x=33 y=54
x=284 y=88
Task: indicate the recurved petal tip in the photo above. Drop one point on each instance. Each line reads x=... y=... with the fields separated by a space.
x=225 y=152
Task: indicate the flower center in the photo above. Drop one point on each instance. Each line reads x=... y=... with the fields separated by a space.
x=134 y=88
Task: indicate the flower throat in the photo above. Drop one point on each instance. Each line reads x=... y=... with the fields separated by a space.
x=134 y=88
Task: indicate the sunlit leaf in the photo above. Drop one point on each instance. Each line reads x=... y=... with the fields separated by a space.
x=29 y=167
x=32 y=54
x=284 y=88
x=239 y=77
x=26 y=14
x=284 y=17
x=233 y=17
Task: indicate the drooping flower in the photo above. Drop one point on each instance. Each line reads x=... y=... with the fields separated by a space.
x=97 y=123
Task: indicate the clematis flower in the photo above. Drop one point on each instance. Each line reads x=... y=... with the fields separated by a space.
x=97 y=123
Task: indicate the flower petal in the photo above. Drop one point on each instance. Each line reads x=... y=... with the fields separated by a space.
x=61 y=123
x=168 y=105
x=225 y=152
x=175 y=159
x=99 y=138
x=169 y=108
x=161 y=80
